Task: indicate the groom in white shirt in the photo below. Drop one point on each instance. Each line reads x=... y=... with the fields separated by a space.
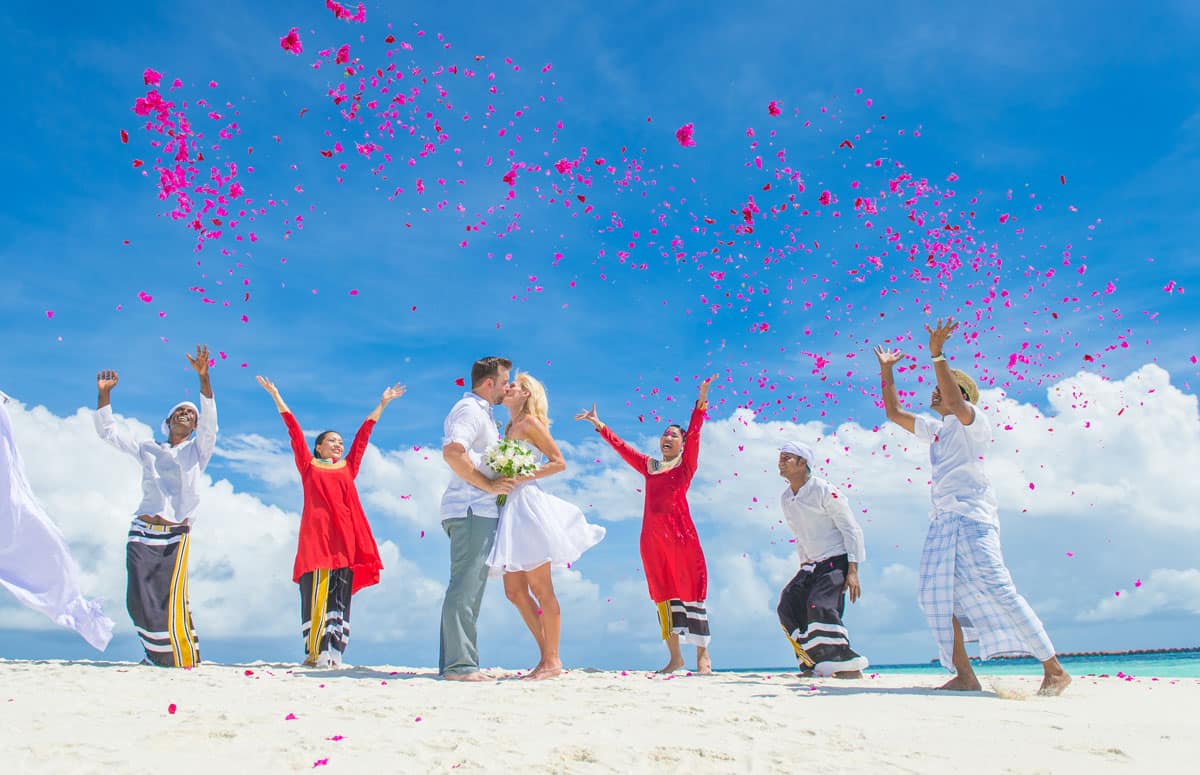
x=469 y=514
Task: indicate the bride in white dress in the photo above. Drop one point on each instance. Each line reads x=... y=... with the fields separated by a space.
x=537 y=530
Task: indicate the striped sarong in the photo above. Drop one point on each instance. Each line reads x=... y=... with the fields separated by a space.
x=810 y=610
x=325 y=615
x=688 y=620
x=963 y=576
x=156 y=593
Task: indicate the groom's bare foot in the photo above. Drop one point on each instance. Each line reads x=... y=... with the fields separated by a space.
x=475 y=677
x=958 y=684
x=672 y=666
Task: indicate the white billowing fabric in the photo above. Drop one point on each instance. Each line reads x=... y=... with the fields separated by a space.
x=35 y=563
x=820 y=517
x=170 y=475
x=471 y=424
x=536 y=528
x=960 y=482
x=166 y=428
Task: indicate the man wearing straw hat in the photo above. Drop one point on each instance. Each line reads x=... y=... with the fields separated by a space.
x=156 y=553
x=966 y=591
x=830 y=544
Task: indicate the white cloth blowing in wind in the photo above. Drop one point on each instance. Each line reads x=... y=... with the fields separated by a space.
x=35 y=563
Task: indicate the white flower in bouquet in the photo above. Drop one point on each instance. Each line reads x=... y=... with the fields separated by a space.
x=510 y=459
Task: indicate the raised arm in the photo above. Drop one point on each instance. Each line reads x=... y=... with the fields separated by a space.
x=627 y=453
x=891 y=399
x=269 y=386
x=206 y=423
x=390 y=394
x=536 y=432
x=200 y=363
x=952 y=397
x=106 y=425
x=691 y=444
x=300 y=450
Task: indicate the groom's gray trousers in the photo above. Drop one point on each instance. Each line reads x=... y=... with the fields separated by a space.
x=471 y=540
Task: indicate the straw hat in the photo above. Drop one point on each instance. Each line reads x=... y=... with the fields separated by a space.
x=967 y=384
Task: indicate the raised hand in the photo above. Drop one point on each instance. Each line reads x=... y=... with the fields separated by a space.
x=703 y=398
x=200 y=362
x=267 y=385
x=392 y=393
x=589 y=415
x=939 y=335
x=106 y=381
x=888 y=358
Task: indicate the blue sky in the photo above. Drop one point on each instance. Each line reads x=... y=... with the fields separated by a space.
x=1014 y=100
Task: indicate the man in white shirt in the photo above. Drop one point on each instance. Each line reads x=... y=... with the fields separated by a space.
x=966 y=591
x=830 y=544
x=156 y=554
x=469 y=514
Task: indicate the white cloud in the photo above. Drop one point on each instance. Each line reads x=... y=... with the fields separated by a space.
x=1113 y=486
x=1165 y=591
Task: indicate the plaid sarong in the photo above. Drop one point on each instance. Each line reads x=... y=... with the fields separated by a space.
x=963 y=575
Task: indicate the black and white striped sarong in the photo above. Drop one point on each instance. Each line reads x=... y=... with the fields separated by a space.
x=810 y=610
x=325 y=615
x=156 y=593
x=687 y=620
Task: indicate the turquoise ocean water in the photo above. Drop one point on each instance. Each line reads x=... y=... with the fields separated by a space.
x=1178 y=665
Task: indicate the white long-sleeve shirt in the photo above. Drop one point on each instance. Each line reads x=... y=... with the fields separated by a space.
x=960 y=481
x=820 y=517
x=170 y=475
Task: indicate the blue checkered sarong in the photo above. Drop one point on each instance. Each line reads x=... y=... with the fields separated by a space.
x=963 y=575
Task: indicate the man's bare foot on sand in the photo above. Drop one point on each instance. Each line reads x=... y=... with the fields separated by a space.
x=848 y=674
x=672 y=666
x=475 y=677
x=703 y=664
x=960 y=684
x=1054 y=684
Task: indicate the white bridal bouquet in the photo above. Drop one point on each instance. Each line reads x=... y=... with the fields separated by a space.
x=510 y=458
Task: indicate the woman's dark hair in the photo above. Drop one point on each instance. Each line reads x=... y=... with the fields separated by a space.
x=682 y=430
x=320 y=437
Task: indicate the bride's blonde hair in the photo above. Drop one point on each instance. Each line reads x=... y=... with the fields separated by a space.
x=536 y=404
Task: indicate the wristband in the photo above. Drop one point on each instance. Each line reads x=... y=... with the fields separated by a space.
x=937 y=358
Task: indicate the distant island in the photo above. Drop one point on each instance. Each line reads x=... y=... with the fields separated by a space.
x=1124 y=653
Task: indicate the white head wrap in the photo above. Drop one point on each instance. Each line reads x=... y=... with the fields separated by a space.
x=799 y=450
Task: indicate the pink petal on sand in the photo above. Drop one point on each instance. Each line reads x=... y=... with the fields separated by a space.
x=321 y=762
x=171 y=709
x=290 y=717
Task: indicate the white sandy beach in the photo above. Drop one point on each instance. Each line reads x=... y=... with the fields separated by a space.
x=60 y=717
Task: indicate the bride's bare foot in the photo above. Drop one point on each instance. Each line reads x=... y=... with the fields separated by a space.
x=549 y=669
x=1054 y=684
x=672 y=666
x=960 y=684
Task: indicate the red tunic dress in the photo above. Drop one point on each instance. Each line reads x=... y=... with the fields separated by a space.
x=671 y=553
x=333 y=529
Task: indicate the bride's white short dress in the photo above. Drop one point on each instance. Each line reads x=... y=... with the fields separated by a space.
x=536 y=528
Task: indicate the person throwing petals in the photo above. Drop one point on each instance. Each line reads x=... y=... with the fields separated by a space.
x=537 y=530
x=336 y=555
x=676 y=574
x=156 y=551
x=966 y=592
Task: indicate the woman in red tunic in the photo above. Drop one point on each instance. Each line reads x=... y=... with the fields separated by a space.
x=336 y=555
x=671 y=555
